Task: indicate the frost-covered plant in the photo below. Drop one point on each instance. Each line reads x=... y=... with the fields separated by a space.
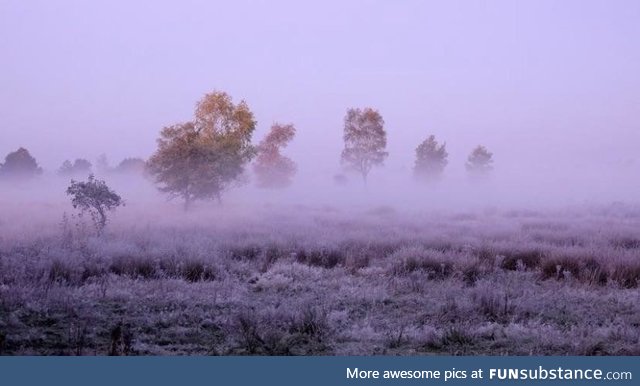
x=94 y=197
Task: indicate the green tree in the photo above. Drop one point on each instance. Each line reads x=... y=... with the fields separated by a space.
x=200 y=159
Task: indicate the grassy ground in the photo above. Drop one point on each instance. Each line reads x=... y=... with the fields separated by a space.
x=325 y=281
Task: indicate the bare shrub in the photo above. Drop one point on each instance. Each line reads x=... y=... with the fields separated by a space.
x=60 y=272
x=529 y=259
x=196 y=270
x=434 y=269
x=134 y=267
x=493 y=305
x=248 y=252
x=557 y=267
x=626 y=242
x=471 y=273
x=457 y=340
x=627 y=274
x=325 y=258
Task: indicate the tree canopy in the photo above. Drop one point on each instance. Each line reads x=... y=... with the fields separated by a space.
x=79 y=167
x=431 y=159
x=480 y=161
x=365 y=141
x=200 y=159
x=96 y=198
x=20 y=164
x=272 y=169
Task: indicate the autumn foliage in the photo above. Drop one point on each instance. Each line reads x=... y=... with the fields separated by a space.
x=272 y=169
x=200 y=159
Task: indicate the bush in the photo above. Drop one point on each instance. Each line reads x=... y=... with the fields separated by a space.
x=60 y=273
x=529 y=259
x=627 y=275
x=325 y=258
x=434 y=269
x=250 y=252
x=587 y=270
x=557 y=266
x=195 y=271
x=134 y=267
x=626 y=243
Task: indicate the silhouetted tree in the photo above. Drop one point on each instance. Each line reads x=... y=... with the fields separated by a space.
x=431 y=159
x=273 y=170
x=365 y=141
x=78 y=167
x=200 y=159
x=479 y=163
x=20 y=164
x=94 y=197
x=131 y=166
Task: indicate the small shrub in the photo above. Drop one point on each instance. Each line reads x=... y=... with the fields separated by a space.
x=94 y=197
x=528 y=259
x=486 y=255
x=470 y=274
x=60 y=273
x=433 y=268
x=325 y=258
x=271 y=255
x=251 y=252
x=195 y=271
x=310 y=322
x=626 y=243
x=134 y=267
x=249 y=338
x=587 y=270
x=91 y=269
x=627 y=275
x=593 y=272
x=457 y=337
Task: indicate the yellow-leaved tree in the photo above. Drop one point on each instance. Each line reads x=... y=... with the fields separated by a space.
x=200 y=159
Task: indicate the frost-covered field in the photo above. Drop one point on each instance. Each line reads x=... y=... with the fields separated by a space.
x=321 y=280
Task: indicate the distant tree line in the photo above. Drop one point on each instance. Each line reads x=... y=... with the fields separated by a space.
x=202 y=158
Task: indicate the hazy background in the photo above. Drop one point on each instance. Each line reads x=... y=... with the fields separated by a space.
x=551 y=87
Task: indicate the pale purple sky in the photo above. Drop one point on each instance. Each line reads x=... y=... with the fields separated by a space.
x=538 y=82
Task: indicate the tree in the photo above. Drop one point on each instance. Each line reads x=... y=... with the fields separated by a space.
x=272 y=169
x=131 y=166
x=78 y=167
x=94 y=197
x=200 y=159
x=431 y=159
x=20 y=164
x=365 y=141
x=479 y=163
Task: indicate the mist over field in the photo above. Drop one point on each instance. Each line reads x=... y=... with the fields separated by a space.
x=264 y=180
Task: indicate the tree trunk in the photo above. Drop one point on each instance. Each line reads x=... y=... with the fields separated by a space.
x=102 y=222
